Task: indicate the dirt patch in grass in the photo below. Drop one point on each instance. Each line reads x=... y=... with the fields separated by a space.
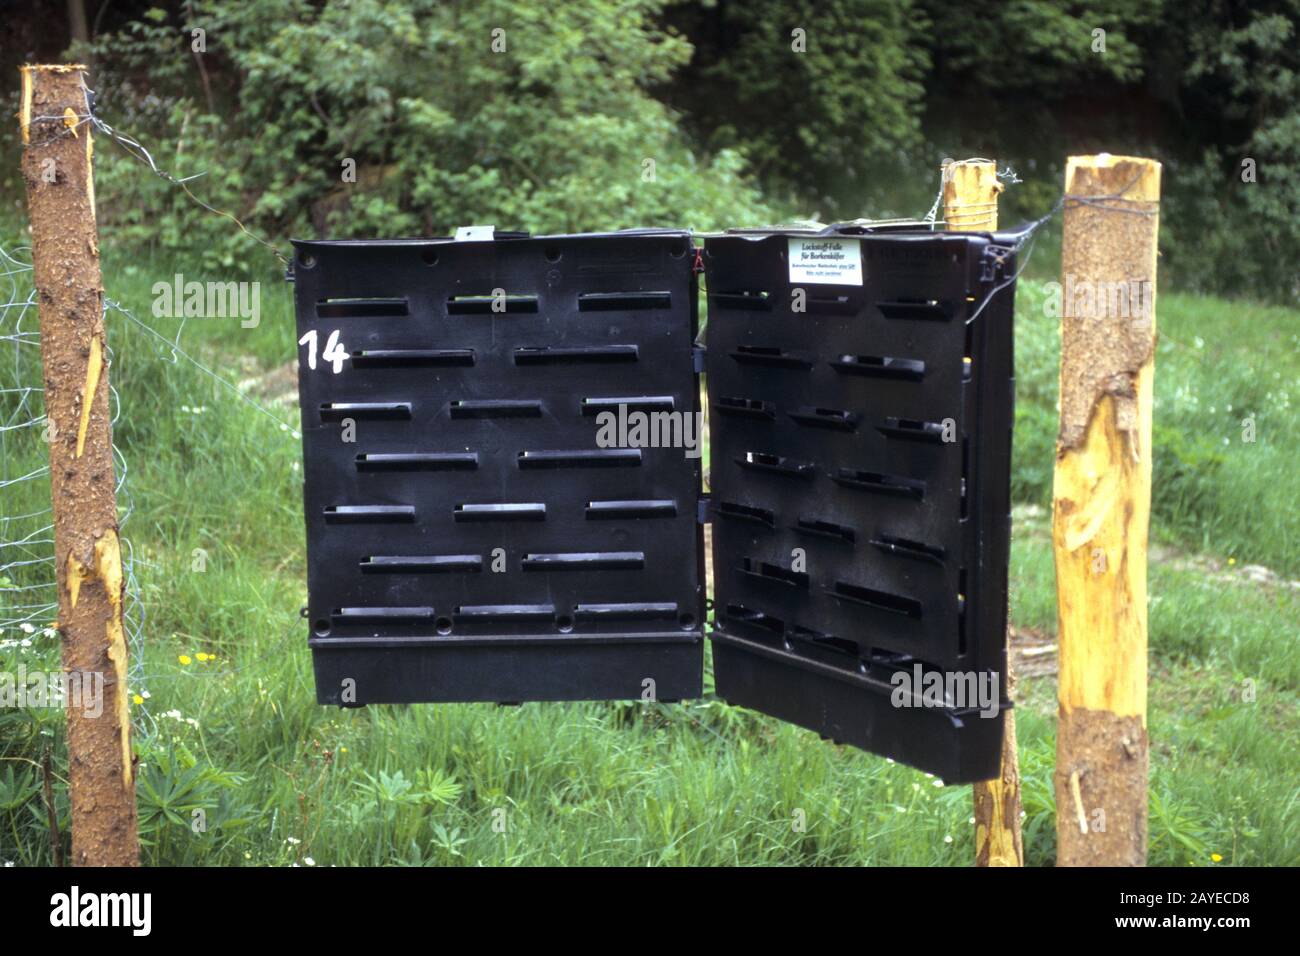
x=278 y=386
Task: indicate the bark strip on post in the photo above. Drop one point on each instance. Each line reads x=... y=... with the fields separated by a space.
x=57 y=166
x=1101 y=507
x=970 y=204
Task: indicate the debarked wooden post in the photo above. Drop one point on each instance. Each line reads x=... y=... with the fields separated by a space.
x=970 y=204
x=58 y=168
x=1101 y=505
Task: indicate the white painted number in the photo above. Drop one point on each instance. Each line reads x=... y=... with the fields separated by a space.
x=335 y=352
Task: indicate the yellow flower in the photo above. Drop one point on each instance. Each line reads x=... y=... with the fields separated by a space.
x=343 y=750
x=201 y=656
x=185 y=659
x=1216 y=858
x=1232 y=561
x=137 y=699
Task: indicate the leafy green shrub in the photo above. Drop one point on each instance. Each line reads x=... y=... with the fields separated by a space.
x=496 y=112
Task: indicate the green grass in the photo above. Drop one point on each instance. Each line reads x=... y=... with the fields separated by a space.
x=1218 y=363
x=281 y=780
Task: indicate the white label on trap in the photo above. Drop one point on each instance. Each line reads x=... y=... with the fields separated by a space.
x=826 y=261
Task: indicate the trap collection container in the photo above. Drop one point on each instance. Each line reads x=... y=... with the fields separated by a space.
x=470 y=540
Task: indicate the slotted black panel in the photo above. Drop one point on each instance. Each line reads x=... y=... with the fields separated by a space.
x=475 y=444
x=828 y=434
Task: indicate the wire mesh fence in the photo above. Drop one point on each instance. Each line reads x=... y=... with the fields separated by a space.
x=28 y=586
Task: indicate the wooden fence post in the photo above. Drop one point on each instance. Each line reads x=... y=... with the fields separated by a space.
x=970 y=204
x=1101 y=507
x=57 y=166
x=970 y=195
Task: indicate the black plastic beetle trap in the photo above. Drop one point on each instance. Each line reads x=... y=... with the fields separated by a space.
x=504 y=465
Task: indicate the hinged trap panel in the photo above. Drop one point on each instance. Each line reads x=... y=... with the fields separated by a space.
x=861 y=431
x=472 y=542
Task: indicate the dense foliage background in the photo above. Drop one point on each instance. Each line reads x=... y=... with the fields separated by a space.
x=547 y=116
